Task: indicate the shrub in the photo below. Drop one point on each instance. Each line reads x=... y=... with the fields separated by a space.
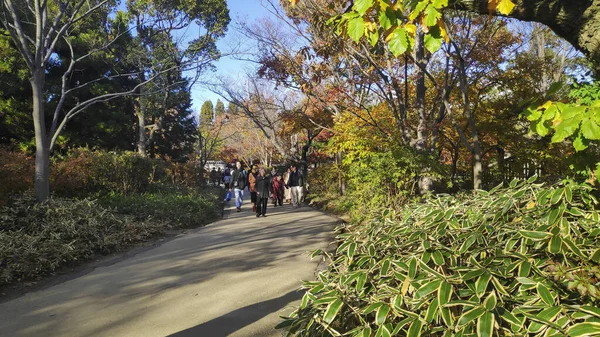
x=16 y=173
x=181 y=208
x=516 y=261
x=36 y=239
x=83 y=172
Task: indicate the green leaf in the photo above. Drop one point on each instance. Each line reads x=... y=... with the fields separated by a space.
x=432 y=15
x=485 y=325
x=470 y=316
x=386 y=18
x=382 y=313
x=362 y=6
x=431 y=311
x=356 y=28
x=432 y=42
x=351 y=249
x=372 y=307
x=533 y=113
x=580 y=143
x=596 y=256
x=383 y=331
x=482 y=283
x=573 y=247
x=490 y=302
x=541 y=128
x=415 y=329
x=418 y=9
x=444 y=293
x=534 y=235
x=332 y=310
x=525 y=280
x=467 y=244
x=545 y=294
x=398 y=41
x=554 y=245
x=427 y=289
x=590 y=129
x=374 y=38
x=584 y=329
x=412 y=268
x=440 y=3
x=590 y=310
x=438 y=258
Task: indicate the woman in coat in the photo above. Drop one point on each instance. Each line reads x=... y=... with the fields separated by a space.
x=263 y=190
x=252 y=186
x=277 y=190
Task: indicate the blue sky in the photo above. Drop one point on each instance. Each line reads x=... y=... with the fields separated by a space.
x=249 y=10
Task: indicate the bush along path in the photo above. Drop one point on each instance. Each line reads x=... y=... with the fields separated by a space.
x=37 y=240
x=516 y=261
x=230 y=278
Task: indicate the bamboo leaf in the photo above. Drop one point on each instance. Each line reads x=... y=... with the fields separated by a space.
x=485 y=325
x=332 y=310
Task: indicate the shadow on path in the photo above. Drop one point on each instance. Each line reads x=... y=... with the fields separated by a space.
x=237 y=319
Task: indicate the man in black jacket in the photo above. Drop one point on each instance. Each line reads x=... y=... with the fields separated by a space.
x=295 y=183
x=238 y=182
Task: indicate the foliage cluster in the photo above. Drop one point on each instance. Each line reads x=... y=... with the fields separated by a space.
x=37 y=239
x=16 y=173
x=177 y=208
x=84 y=171
x=522 y=260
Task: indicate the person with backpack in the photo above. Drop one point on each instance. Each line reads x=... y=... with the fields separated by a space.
x=238 y=182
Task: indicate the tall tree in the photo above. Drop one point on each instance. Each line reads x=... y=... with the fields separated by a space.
x=207 y=113
x=38 y=27
x=219 y=108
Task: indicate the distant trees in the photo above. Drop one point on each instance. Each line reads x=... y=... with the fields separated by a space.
x=57 y=38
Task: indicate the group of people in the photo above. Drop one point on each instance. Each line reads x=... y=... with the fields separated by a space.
x=263 y=186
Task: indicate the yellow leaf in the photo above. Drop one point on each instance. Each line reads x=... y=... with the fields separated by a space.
x=530 y=205
x=505 y=6
x=443 y=31
x=411 y=28
x=546 y=105
x=405 y=286
x=294 y=2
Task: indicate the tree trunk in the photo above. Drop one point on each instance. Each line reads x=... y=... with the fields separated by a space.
x=42 y=151
x=141 y=138
x=577 y=21
x=421 y=142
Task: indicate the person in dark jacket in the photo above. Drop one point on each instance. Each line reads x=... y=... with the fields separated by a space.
x=263 y=190
x=238 y=182
x=277 y=184
x=296 y=185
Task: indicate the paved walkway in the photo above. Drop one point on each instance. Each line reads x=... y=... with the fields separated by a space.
x=231 y=278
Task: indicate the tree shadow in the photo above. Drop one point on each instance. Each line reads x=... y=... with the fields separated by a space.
x=237 y=319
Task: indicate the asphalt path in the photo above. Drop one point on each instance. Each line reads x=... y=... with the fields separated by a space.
x=233 y=277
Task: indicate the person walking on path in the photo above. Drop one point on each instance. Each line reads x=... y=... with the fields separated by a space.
x=287 y=192
x=239 y=181
x=263 y=190
x=295 y=183
x=226 y=177
x=278 y=188
x=252 y=186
